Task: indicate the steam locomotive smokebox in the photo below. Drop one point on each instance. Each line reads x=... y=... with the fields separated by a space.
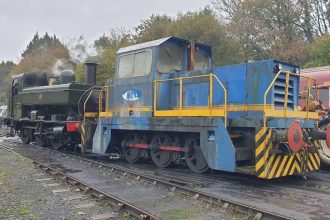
x=90 y=73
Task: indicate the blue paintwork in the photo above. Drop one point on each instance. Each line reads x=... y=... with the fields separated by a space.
x=133 y=123
x=245 y=83
x=102 y=136
x=285 y=123
x=219 y=154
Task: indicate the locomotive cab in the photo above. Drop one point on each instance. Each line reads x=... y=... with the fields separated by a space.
x=137 y=67
x=19 y=83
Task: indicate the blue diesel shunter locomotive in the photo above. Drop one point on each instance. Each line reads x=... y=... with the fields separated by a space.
x=166 y=103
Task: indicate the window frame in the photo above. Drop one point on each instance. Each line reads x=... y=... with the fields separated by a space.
x=133 y=53
x=201 y=50
x=183 y=57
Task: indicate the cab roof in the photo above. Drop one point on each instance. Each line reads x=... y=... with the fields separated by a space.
x=158 y=42
x=28 y=74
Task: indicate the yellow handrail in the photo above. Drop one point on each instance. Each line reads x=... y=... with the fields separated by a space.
x=100 y=99
x=89 y=95
x=106 y=89
x=287 y=77
x=181 y=98
x=211 y=76
x=225 y=97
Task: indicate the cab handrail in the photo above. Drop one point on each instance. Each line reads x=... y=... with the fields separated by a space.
x=210 y=108
x=107 y=111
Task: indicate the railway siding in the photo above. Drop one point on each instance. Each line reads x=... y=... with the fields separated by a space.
x=155 y=199
x=28 y=193
x=225 y=195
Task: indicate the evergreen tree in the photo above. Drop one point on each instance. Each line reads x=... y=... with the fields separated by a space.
x=5 y=68
x=41 y=54
x=41 y=44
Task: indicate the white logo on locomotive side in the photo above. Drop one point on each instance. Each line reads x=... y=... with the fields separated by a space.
x=131 y=95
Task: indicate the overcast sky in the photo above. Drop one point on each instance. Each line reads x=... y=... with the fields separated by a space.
x=20 y=19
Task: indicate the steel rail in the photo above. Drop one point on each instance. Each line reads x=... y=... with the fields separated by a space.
x=184 y=180
x=121 y=204
x=219 y=201
x=87 y=188
x=223 y=202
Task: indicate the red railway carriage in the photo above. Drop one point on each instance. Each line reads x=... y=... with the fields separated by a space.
x=322 y=76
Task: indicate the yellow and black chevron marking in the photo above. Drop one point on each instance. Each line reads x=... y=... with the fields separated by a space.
x=83 y=134
x=270 y=166
x=317 y=144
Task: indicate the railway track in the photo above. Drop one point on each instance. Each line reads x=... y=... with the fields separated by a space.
x=178 y=182
x=3 y=135
x=87 y=188
x=175 y=185
x=314 y=183
x=186 y=178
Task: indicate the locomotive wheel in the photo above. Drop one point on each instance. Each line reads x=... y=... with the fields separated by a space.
x=131 y=154
x=159 y=157
x=57 y=144
x=40 y=140
x=194 y=156
x=25 y=135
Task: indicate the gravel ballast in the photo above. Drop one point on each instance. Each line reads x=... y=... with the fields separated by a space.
x=28 y=193
x=156 y=199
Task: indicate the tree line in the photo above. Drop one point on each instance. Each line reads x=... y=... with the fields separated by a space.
x=296 y=31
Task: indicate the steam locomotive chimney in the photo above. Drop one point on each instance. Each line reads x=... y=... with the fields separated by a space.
x=90 y=73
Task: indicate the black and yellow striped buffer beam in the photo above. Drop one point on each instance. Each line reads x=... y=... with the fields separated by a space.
x=273 y=165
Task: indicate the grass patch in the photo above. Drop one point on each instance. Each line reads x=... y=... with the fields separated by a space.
x=127 y=216
x=24 y=212
x=178 y=214
x=2 y=210
x=3 y=174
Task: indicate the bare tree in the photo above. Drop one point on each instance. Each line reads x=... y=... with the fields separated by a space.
x=226 y=9
x=266 y=28
x=306 y=18
x=321 y=10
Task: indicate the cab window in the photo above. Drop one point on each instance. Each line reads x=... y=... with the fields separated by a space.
x=170 y=58
x=135 y=64
x=201 y=59
x=35 y=79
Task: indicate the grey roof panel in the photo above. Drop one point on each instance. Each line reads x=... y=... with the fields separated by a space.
x=149 y=44
x=143 y=45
